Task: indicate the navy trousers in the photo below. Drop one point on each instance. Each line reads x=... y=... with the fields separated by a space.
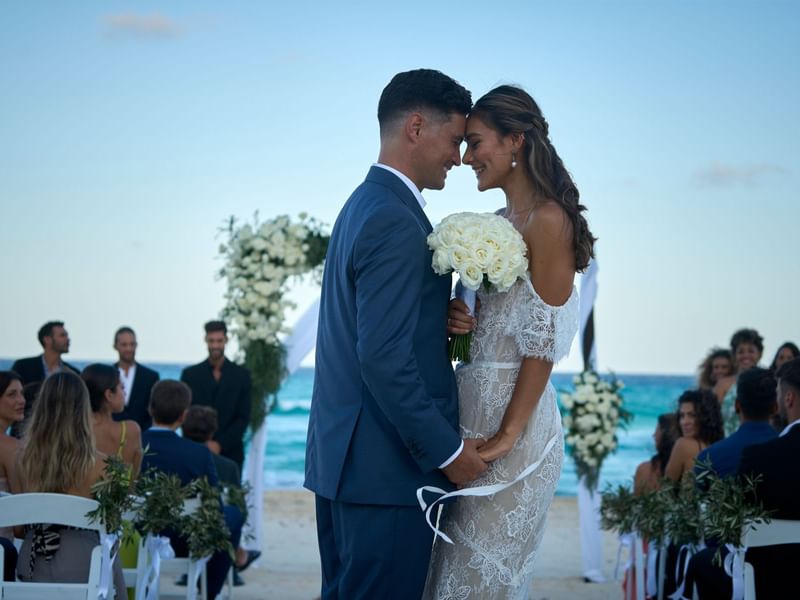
x=372 y=551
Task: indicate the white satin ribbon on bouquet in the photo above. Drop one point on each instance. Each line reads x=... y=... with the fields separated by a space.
x=107 y=541
x=158 y=548
x=734 y=568
x=483 y=490
x=468 y=296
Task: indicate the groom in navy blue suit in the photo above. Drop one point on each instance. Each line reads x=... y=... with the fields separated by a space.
x=384 y=411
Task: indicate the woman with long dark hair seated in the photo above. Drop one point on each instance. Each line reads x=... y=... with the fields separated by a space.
x=106 y=396
x=650 y=473
x=700 y=422
x=12 y=406
x=58 y=456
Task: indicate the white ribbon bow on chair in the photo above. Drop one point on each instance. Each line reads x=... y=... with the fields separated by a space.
x=734 y=568
x=107 y=541
x=158 y=548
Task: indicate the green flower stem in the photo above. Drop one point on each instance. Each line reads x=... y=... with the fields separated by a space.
x=458 y=349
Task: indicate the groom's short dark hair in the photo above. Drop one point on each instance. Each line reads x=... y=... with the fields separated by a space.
x=419 y=89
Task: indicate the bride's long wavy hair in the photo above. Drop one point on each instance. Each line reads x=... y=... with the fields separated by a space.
x=508 y=110
x=58 y=447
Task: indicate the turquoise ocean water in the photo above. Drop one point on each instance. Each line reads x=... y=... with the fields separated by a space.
x=646 y=396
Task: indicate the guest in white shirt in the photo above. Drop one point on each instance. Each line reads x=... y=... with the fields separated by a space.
x=137 y=380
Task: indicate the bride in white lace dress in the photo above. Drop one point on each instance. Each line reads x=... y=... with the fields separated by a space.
x=505 y=396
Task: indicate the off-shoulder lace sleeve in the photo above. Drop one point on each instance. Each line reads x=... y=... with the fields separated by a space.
x=539 y=329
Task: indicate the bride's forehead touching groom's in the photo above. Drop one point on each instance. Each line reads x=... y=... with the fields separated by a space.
x=438 y=138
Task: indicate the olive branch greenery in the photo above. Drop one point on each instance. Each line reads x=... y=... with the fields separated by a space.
x=156 y=503
x=113 y=495
x=160 y=504
x=205 y=529
x=698 y=507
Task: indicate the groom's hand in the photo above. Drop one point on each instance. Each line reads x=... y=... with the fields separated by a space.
x=459 y=321
x=468 y=466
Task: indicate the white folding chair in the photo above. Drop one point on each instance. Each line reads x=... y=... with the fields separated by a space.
x=186 y=566
x=58 y=509
x=777 y=531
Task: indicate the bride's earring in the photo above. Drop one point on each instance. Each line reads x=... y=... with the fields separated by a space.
x=513 y=159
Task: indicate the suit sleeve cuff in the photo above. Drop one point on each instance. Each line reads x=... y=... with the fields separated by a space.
x=454 y=456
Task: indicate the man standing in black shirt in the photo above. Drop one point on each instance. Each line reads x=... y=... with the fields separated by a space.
x=225 y=386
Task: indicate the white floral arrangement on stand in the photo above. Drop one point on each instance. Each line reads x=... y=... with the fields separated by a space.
x=260 y=260
x=596 y=412
x=484 y=249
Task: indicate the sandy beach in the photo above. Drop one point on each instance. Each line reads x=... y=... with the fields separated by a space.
x=289 y=567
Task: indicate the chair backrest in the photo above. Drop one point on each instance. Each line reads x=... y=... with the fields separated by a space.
x=774 y=533
x=58 y=509
x=777 y=531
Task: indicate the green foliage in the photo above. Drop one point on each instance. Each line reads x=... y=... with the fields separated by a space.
x=618 y=509
x=237 y=496
x=205 y=529
x=267 y=365
x=683 y=522
x=160 y=502
x=687 y=512
x=113 y=495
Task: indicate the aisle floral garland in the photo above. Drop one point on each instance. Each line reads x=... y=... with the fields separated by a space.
x=596 y=411
x=261 y=259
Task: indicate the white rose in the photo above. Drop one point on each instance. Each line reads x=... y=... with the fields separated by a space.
x=471 y=276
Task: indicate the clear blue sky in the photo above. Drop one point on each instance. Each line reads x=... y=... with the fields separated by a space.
x=130 y=131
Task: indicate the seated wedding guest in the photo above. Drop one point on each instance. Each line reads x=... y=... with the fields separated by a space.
x=170 y=453
x=776 y=463
x=123 y=438
x=55 y=343
x=650 y=473
x=755 y=402
x=12 y=405
x=137 y=380
x=30 y=393
x=715 y=366
x=58 y=456
x=700 y=424
x=747 y=346
x=786 y=352
x=778 y=490
x=200 y=426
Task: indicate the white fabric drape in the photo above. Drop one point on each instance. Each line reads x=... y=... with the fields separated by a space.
x=298 y=344
x=588 y=502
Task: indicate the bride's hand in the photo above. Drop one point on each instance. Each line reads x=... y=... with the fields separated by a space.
x=459 y=321
x=496 y=447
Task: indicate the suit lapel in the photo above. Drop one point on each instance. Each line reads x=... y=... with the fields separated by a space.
x=406 y=196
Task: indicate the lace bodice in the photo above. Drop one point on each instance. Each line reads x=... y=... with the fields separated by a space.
x=518 y=324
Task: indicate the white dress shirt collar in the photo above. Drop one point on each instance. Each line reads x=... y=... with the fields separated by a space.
x=127 y=381
x=407 y=181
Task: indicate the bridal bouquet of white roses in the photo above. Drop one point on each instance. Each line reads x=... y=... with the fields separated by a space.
x=595 y=412
x=484 y=249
